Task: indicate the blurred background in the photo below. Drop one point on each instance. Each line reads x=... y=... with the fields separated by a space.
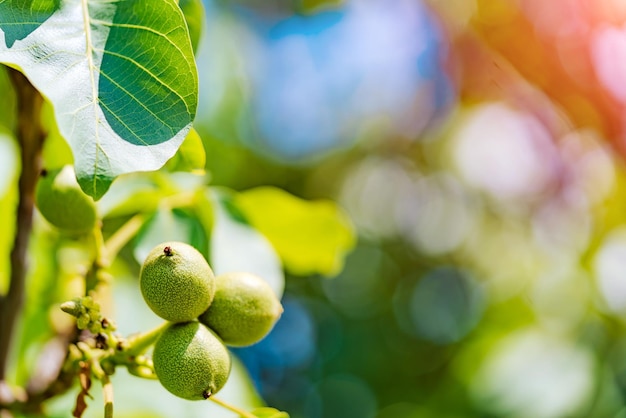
x=478 y=146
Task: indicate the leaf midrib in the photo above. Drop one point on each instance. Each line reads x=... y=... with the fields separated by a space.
x=94 y=88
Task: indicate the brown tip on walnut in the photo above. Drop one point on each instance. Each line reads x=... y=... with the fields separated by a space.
x=167 y=251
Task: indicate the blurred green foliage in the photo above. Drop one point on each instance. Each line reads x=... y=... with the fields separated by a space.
x=476 y=148
x=488 y=278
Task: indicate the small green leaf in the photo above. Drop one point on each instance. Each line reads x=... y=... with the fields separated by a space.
x=310 y=237
x=236 y=246
x=267 y=412
x=193 y=10
x=190 y=156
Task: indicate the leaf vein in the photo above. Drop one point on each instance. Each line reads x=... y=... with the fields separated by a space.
x=150 y=73
x=139 y=138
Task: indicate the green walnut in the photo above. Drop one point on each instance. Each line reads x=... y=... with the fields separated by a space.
x=244 y=309
x=190 y=361
x=176 y=281
x=62 y=203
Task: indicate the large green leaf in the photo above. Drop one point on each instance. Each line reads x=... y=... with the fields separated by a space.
x=121 y=76
x=310 y=236
x=19 y=18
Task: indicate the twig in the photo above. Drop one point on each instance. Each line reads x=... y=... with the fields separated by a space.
x=107 y=390
x=241 y=412
x=30 y=136
x=121 y=237
x=179 y=200
x=138 y=344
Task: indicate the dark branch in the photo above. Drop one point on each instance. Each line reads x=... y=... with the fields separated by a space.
x=30 y=137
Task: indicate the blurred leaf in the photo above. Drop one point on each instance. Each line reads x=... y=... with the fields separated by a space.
x=314 y=6
x=236 y=246
x=310 y=237
x=44 y=283
x=124 y=93
x=7 y=104
x=169 y=225
x=9 y=162
x=9 y=157
x=194 y=16
x=267 y=412
x=190 y=156
x=128 y=195
x=204 y=210
x=56 y=152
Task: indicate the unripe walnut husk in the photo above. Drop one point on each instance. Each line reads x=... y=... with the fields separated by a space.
x=61 y=201
x=190 y=361
x=244 y=309
x=177 y=282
